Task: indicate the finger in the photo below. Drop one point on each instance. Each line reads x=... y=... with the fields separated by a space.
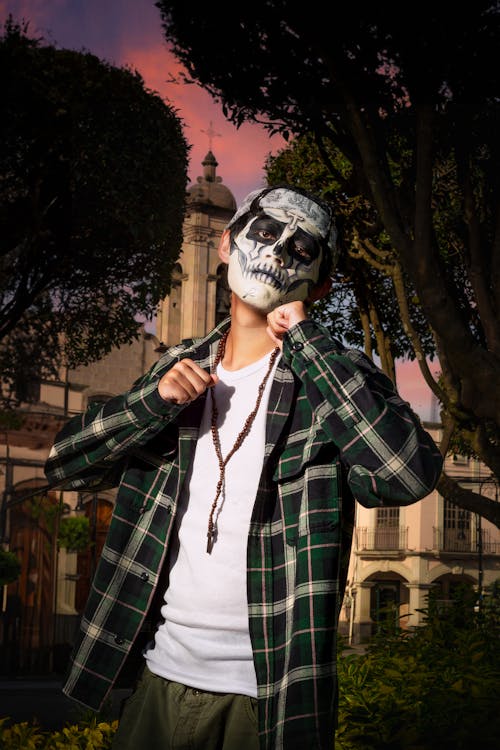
x=174 y=387
x=184 y=382
x=277 y=323
x=274 y=338
x=197 y=377
x=290 y=314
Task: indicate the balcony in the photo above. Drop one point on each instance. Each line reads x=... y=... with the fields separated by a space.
x=465 y=541
x=386 y=539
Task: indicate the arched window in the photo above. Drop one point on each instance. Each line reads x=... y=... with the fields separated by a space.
x=175 y=306
x=222 y=294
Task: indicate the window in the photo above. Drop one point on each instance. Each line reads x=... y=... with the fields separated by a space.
x=387 y=529
x=457 y=535
x=387 y=517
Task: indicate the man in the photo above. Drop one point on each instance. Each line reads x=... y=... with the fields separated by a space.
x=238 y=458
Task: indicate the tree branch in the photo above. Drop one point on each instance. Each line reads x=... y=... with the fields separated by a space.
x=465 y=498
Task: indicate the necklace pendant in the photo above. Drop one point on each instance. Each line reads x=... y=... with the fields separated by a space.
x=210 y=542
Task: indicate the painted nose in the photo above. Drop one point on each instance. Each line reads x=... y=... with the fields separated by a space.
x=275 y=252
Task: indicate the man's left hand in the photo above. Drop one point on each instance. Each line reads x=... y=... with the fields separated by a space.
x=282 y=318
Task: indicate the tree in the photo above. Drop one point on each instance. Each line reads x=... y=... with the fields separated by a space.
x=93 y=174
x=410 y=97
x=363 y=307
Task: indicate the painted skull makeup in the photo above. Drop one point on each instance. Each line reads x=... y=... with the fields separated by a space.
x=276 y=256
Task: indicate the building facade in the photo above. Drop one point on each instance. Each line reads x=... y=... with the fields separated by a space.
x=399 y=555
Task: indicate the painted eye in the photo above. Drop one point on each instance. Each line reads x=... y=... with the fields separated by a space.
x=302 y=253
x=266 y=236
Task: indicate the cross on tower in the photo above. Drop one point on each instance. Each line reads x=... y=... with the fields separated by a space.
x=211 y=134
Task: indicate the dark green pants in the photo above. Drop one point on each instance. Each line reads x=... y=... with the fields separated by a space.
x=164 y=715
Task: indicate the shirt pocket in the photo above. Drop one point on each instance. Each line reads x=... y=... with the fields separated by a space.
x=320 y=506
x=302 y=448
x=310 y=500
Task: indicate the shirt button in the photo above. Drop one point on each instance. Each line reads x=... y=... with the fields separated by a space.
x=298 y=346
x=145 y=576
x=118 y=640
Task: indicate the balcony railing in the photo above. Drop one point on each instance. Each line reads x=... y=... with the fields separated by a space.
x=382 y=538
x=395 y=538
x=464 y=540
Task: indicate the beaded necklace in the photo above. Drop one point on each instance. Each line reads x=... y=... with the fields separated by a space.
x=212 y=526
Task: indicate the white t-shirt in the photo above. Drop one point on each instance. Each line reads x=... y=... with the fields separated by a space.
x=204 y=641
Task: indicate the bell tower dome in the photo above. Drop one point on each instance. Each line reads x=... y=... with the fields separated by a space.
x=199 y=296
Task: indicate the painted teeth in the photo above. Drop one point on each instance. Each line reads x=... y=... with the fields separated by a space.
x=265 y=276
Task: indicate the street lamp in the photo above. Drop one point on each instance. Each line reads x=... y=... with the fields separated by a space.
x=479 y=548
x=5 y=498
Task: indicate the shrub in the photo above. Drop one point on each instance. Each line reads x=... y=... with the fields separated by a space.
x=433 y=689
x=96 y=736
x=10 y=567
x=20 y=736
x=74 y=533
x=91 y=735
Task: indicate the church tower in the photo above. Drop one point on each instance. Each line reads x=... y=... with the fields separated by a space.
x=199 y=296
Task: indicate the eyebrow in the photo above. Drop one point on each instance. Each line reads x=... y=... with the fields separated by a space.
x=267 y=222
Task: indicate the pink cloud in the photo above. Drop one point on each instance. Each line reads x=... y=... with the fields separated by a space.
x=413 y=388
x=241 y=153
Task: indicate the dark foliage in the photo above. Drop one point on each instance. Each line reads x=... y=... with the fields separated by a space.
x=93 y=173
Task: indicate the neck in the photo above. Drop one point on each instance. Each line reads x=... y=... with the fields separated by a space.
x=248 y=340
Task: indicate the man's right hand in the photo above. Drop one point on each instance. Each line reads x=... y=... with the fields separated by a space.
x=185 y=382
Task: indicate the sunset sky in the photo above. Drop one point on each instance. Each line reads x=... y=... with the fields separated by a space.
x=129 y=32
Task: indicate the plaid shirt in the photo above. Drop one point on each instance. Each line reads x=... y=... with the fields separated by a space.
x=336 y=430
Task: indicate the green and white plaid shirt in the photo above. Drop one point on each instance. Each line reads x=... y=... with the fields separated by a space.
x=336 y=430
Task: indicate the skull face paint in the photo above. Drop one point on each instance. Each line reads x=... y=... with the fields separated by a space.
x=276 y=257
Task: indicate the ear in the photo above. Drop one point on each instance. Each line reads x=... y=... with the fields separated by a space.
x=224 y=245
x=320 y=290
